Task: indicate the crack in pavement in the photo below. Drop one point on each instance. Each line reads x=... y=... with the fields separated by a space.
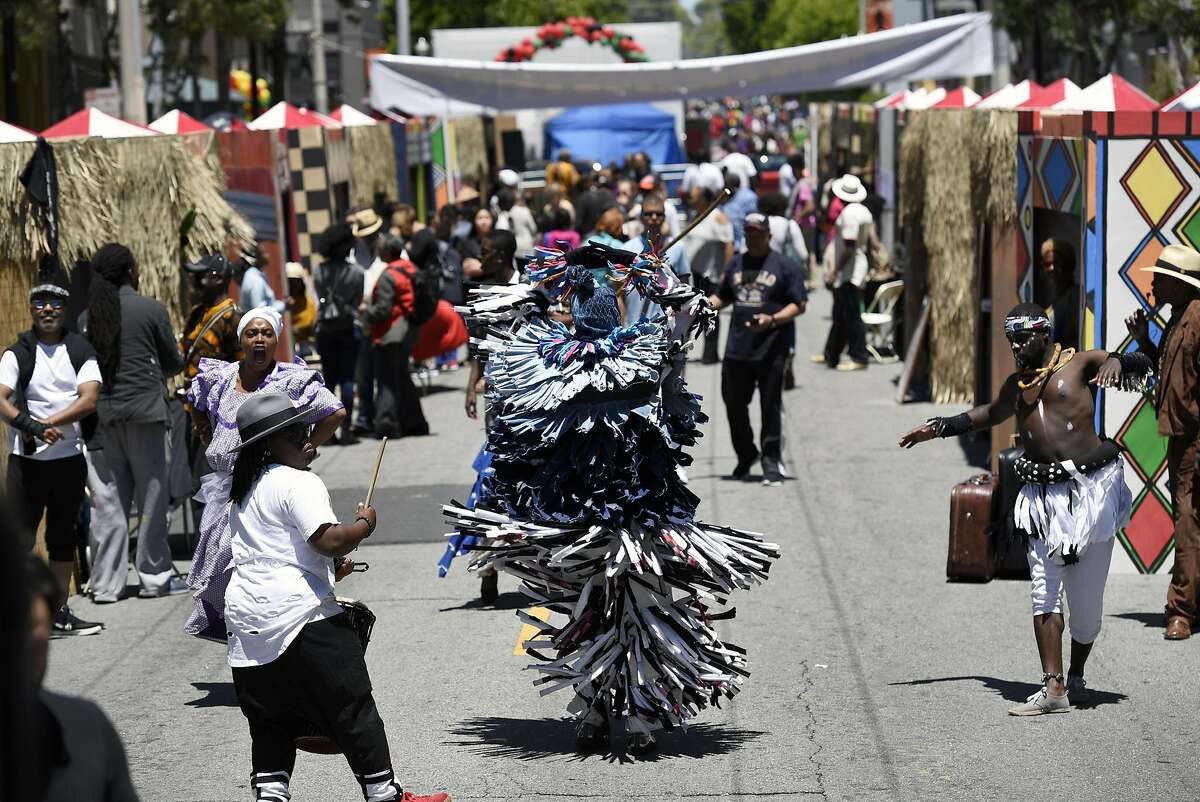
x=810 y=727
x=826 y=573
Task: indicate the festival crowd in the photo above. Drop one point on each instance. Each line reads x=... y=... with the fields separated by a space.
x=115 y=416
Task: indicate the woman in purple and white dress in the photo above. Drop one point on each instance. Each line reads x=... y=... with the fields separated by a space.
x=216 y=393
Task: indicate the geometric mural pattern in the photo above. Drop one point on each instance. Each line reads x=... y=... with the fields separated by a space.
x=1024 y=218
x=312 y=199
x=1146 y=196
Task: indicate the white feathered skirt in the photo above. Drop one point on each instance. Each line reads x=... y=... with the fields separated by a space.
x=1071 y=515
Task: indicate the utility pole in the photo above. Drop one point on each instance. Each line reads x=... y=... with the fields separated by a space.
x=403 y=34
x=133 y=87
x=317 y=54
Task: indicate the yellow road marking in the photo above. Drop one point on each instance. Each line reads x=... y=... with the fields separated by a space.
x=528 y=630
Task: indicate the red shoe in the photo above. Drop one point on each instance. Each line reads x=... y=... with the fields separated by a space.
x=408 y=796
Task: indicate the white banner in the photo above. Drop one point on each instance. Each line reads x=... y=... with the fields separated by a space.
x=950 y=47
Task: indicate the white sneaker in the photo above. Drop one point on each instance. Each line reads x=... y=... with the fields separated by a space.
x=1041 y=703
x=1077 y=690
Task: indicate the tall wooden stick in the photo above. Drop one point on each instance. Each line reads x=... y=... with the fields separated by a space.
x=375 y=477
x=712 y=207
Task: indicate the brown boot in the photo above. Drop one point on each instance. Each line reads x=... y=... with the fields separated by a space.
x=1178 y=628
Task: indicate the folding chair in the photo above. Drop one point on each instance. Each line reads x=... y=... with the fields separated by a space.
x=880 y=321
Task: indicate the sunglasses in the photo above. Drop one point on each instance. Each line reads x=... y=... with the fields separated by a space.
x=53 y=303
x=654 y=214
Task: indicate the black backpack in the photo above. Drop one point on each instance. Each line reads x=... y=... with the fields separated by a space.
x=79 y=350
x=427 y=291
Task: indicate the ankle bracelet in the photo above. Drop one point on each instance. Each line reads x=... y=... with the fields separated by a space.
x=1047 y=677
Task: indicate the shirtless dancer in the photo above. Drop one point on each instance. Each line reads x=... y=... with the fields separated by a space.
x=1073 y=497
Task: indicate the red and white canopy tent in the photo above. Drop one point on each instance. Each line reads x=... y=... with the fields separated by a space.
x=1187 y=100
x=349 y=116
x=15 y=133
x=93 y=122
x=178 y=122
x=1048 y=96
x=1010 y=96
x=1110 y=93
x=285 y=115
x=959 y=98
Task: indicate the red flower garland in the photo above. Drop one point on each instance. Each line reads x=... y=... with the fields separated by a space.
x=553 y=34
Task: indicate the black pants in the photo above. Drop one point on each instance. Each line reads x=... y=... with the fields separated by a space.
x=398 y=407
x=339 y=360
x=847 y=328
x=739 y=379
x=321 y=680
x=366 y=376
x=52 y=488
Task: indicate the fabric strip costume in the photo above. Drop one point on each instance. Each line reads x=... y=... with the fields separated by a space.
x=585 y=500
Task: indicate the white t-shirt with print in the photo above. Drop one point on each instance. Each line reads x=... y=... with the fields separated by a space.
x=280 y=582
x=53 y=387
x=848 y=224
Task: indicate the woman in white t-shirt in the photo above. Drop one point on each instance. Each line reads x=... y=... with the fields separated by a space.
x=297 y=660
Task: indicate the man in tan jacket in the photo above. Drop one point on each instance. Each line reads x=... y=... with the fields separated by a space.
x=1177 y=282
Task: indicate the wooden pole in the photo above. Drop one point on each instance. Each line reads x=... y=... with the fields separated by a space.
x=712 y=207
x=375 y=477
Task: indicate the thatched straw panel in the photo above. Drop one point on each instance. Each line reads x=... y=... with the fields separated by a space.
x=470 y=149
x=958 y=169
x=372 y=164
x=134 y=191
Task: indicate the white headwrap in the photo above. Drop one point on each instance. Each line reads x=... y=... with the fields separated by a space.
x=261 y=313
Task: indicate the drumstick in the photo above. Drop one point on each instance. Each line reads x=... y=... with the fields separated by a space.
x=712 y=207
x=375 y=477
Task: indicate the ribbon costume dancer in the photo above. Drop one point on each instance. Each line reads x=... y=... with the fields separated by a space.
x=585 y=500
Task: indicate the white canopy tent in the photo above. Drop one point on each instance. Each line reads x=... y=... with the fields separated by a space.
x=949 y=47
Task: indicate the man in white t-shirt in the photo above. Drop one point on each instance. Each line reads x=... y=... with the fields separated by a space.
x=847 y=332
x=49 y=383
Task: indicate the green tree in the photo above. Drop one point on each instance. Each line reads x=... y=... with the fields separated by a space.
x=706 y=35
x=744 y=25
x=801 y=22
x=1084 y=38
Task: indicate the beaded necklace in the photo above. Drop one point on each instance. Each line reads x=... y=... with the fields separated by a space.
x=1033 y=378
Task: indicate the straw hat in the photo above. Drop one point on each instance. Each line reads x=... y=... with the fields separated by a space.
x=294 y=270
x=265 y=413
x=1180 y=262
x=366 y=222
x=466 y=195
x=850 y=189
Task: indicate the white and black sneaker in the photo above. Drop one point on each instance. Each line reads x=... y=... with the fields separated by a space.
x=67 y=623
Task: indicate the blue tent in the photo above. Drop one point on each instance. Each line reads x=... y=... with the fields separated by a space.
x=609 y=133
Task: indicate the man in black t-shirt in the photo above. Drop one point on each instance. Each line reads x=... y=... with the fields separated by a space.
x=767 y=293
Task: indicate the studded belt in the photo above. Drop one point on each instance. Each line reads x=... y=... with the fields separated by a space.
x=1049 y=473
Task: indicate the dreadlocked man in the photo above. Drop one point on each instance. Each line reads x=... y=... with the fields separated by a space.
x=126 y=460
x=1073 y=498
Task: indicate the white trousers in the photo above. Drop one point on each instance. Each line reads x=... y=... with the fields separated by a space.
x=1080 y=584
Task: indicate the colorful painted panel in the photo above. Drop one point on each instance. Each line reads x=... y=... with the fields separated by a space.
x=1147 y=195
x=1025 y=218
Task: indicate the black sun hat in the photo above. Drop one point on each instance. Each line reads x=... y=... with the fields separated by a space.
x=265 y=413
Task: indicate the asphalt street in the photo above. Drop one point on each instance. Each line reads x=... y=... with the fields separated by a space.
x=873 y=678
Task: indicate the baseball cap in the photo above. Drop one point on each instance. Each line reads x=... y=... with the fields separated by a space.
x=213 y=261
x=756 y=220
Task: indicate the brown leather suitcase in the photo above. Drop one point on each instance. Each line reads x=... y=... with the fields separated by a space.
x=971 y=557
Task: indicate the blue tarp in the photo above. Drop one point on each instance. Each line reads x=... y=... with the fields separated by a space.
x=609 y=133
